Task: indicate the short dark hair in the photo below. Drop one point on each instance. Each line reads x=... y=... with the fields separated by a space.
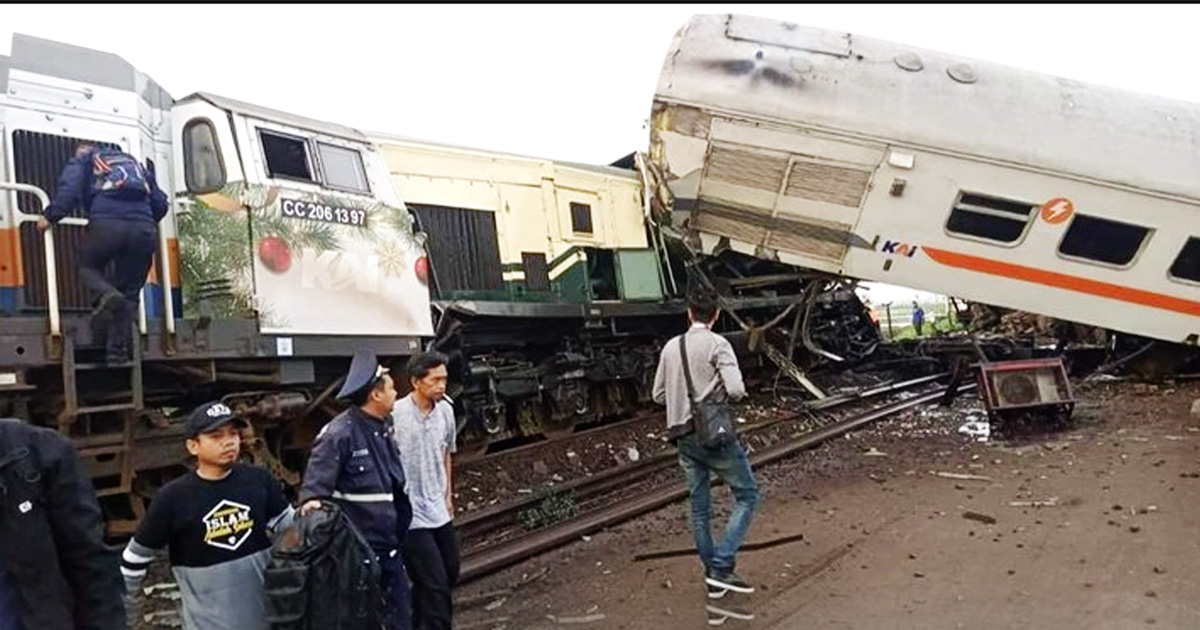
x=359 y=398
x=703 y=306
x=420 y=365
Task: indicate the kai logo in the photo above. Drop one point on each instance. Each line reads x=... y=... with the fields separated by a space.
x=340 y=271
x=899 y=249
x=228 y=525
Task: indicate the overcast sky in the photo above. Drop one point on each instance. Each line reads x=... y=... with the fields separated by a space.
x=564 y=82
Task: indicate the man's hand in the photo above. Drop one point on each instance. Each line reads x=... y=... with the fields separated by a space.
x=43 y=224
x=310 y=506
x=450 y=505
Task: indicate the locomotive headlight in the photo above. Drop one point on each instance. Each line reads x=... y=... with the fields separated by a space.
x=421 y=268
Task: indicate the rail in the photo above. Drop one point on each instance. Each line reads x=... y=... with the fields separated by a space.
x=495 y=557
x=52 y=305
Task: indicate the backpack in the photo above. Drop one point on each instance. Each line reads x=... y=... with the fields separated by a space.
x=323 y=575
x=118 y=175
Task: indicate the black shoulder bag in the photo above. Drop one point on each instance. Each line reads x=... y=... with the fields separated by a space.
x=713 y=422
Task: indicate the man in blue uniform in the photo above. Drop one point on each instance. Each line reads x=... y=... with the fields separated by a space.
x=124 y=205
x=355 y=462
x=918 y=317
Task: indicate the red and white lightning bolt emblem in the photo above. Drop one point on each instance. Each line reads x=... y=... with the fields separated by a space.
x=1057 y=210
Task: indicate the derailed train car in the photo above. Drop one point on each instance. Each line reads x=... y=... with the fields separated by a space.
x=292 y=242
x=556 y=312
x=889 y=163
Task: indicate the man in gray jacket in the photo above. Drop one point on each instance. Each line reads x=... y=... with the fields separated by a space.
x=716 y=376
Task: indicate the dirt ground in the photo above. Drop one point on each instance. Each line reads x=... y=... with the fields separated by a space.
x=888 y=543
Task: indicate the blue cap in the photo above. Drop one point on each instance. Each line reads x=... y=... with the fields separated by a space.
x=364 y=369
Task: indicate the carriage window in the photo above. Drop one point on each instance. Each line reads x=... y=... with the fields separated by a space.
x=1187 y=265
x=203 y=171
x=286 y=156
x=343 y=168
x=581 y=218
x=1102 y=240
x=995 y=219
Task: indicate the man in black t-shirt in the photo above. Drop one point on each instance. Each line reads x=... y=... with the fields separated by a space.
x=215 y=523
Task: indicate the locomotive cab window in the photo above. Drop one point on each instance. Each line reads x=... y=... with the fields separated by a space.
x=286 y=156
x=1102 y=240
x=203 y=171
x=343 y=168
x=991 y=218
x=581 y=218
x=1187 y=264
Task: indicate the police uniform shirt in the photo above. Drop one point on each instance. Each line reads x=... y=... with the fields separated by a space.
x=355 y=462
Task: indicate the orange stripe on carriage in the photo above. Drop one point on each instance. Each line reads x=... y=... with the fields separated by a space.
x=1064 y=281
x=173 y=257
x=12 y=274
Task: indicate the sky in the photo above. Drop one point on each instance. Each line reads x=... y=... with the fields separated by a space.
x=565 y=82
x=571 y=82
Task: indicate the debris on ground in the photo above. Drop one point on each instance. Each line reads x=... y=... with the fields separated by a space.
x=980 y=430
x=963 y=476
x=982 y=518
x=1051 y=502
x=574 y=620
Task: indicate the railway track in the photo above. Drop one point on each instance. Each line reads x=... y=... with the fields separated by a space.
x=477 y=453
x=494 y=538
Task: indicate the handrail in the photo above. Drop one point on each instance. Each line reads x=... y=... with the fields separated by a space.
x=165 y=281
x=48 y=241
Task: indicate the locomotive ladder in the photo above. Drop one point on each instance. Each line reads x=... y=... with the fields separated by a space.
x=91 y=446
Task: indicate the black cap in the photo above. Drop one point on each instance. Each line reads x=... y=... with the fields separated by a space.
x=209 y=416
x=364 y=369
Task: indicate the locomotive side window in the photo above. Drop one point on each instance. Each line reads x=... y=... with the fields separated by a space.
x=1187 y=265
x=991 y=218
x=1102 y=240
x=581 y=218
x=343 y=168
x=286 y=156
x=203 y=171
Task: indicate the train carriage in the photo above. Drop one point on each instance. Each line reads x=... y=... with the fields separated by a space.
x=895 y=164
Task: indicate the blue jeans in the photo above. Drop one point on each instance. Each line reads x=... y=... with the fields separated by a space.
x=732 y=467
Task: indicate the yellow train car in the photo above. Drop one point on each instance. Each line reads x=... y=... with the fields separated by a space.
x=540 y=231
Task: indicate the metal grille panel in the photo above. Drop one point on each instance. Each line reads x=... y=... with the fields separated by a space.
x=38 y=158
x=751 y=169
x=831 y=184
x=537 y=272
x=805 y=238
x=463 y=247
